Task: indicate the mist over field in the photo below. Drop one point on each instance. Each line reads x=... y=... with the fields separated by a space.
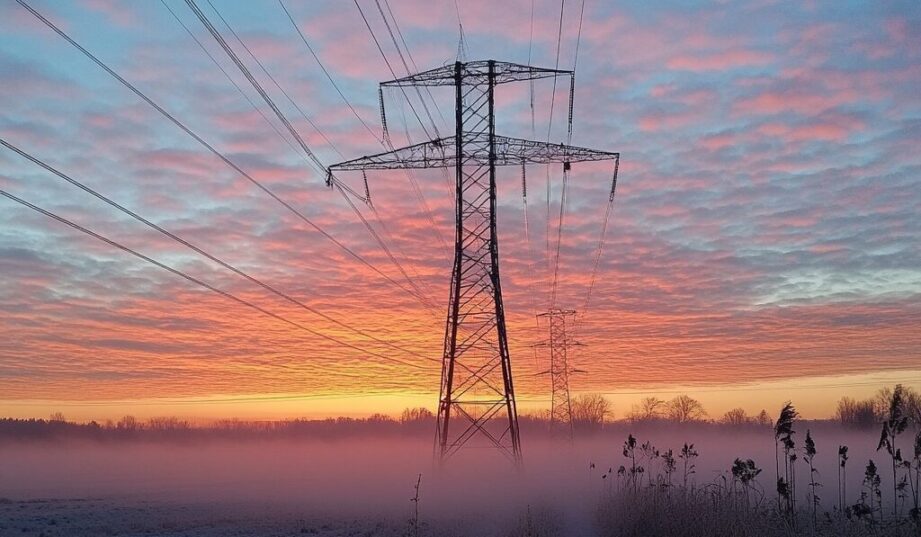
x=372 y=476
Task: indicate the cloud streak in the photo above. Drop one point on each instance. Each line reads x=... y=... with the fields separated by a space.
x=765 y=224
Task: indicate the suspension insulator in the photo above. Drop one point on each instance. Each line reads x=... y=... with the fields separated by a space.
x=614 y=179
x=572 y=91
x=364 y=176
x=380 y=96
x=524 y=182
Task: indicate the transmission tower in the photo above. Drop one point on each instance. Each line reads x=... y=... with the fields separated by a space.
x=560 y=343
x=476 y=375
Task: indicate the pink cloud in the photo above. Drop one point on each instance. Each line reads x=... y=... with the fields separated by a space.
x=897 y=29
x=719 y=61
x=658 y=121
x=718 y=141
x=661 y=90
x=834 y=128
x=119 y=13
x=682 y=262
x=799 y=101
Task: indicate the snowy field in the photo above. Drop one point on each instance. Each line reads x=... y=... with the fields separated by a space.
x=110 y=517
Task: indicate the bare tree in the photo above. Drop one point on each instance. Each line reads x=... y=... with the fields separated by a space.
x=736 y=416
x=911 y=404
x=168 y=424
x=413 y=415
x=128 y=423
x=881 y=402
x=591 y=410
x=650 y=408
x=683 y=409
x=417 y=419
x=859 y=414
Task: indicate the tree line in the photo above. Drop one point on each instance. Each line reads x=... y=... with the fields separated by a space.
x=590 y=413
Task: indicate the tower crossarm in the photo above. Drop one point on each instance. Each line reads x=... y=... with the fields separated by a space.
x=517 y=151
x=438 y=153
x=442 y=153
x=476 y=73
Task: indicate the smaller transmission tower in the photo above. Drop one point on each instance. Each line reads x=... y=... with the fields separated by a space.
x=559 y=343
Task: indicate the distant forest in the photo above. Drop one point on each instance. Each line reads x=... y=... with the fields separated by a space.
x=592 y=414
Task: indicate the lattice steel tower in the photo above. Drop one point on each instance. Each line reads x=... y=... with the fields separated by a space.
x=560 y=342
x=476 y=377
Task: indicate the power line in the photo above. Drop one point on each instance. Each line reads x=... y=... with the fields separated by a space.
x=396 y=45
x=389 y=235
x=229 y=78
x=449 y=183
x=559 y=239
x=205 y=50
x=239 y=64
x=200 y=283
x=437 y=108
x=601 y=240
x=255 y=83
x=530 y=48
x=323 y=135
x=413 y=61
x=214 y=151
x=326 y=72
x=202 y=252
x=572 y=86
x=428 y=91
x=559 y=39
x=379 y=240
x=524 y=185
x=390 y=67
x=575 y=61
x=275 y=82
x=340 y=188
x=527 y=237
x=383 y=141
x=415 y=184
x=240 y=90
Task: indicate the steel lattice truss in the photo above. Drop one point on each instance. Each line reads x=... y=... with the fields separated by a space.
x=477 y=73
x=442 y=153
x=477 y=400
x=559 y=343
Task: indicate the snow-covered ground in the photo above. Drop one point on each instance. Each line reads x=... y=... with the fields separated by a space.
x=110 y=517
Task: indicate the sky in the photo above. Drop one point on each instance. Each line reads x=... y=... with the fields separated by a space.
x=763 y=244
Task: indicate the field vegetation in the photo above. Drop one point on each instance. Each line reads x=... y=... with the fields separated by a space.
x=643 y=498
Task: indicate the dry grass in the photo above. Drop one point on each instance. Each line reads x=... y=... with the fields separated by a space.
x=721 y=512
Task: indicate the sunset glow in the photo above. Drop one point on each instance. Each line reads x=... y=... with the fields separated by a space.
x=763 y=245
